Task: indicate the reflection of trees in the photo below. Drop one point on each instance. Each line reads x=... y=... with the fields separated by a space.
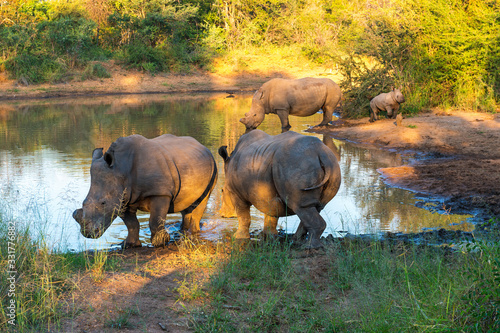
x=76 y=129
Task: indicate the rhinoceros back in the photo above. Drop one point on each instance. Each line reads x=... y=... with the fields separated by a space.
x=179 y=167
x=266 y=167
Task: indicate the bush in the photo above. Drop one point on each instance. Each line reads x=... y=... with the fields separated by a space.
x=36 y=68
x=45 y=51
x=95 y=71
x=145 y=57
x=440 y=52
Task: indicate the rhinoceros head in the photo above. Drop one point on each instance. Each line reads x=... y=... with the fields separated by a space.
x=105 y=198
x=255 y=116
x=397 y=95
x=227 y=208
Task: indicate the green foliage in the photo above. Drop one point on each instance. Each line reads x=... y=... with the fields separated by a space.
x=147 y=58
x=439 y=52
x=44 y=52
x=95 y=71
x=36 y=68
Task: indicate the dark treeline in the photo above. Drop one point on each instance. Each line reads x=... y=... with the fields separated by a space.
x=440 y=52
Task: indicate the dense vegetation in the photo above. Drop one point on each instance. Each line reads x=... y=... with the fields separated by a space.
x=441 y=52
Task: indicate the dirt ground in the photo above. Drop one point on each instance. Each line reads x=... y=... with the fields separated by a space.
x=456 y=155
x=124 y=81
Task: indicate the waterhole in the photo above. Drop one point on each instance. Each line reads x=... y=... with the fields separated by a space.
x=45 y=157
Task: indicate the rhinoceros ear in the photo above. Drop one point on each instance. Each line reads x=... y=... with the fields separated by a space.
x=109 y=157
x=259 y=94
x=223 y=153
x=97 y=153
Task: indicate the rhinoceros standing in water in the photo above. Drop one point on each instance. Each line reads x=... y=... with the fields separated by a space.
x=389 y=102
x=302 y=98
x=163 y=175
x=280 y=175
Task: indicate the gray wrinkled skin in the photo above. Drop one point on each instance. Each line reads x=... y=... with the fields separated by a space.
x=280 y=175
x=301 y=98
x=389 y=102
x=163 y=175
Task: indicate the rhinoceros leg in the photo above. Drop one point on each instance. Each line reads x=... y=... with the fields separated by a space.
x=327 y=115
x=373 y=113
x=243 y=212
x=313 y=223
x=158 y=212
x=130 y=220
x=395 y=112
x=300 y=233
x=285 y=125
x=389 y=112
x=191 y=221
x=270 y=224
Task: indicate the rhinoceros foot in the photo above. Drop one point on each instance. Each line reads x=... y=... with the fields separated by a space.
x=161 y=238
x=313 y=243
x=127 y=245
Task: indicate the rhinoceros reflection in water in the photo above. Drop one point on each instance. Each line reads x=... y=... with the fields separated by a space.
x=280 y=175
x=163 y=175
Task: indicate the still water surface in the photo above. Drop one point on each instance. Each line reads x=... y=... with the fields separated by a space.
x=45 y=156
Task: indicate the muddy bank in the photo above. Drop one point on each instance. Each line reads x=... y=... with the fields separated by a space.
x=455 y=155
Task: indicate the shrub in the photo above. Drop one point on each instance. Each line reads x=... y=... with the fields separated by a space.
x=36 y=68
x=440 y=52
x=95 y=70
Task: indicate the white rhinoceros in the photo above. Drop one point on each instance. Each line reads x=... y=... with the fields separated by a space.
x=280 y=175
x=163 y=175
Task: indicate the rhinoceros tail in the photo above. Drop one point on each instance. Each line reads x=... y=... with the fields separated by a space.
x=207 y=191
x=323 y=182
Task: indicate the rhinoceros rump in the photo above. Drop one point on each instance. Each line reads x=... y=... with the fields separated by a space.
x=302 y=98
x=389 y=102
x=280 y=175
x=163 y=175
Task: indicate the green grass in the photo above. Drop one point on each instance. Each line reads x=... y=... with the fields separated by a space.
x=358 y=286
x=42 y=277
x=268 y=285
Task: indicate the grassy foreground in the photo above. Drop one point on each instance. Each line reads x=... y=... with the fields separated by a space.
x=268 y=286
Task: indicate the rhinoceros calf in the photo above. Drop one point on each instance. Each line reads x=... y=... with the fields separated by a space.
x=280 y=175
x=389 y=102
x=163 y=175
x=302 y=98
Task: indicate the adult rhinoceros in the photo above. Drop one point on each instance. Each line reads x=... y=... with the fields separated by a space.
x=280 y=175
x=302 y=98
x=163 y=175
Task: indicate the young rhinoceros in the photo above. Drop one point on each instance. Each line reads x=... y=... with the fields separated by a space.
x=302 y=97
x=386 y=102
x=280 y=175
x=163 y=175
